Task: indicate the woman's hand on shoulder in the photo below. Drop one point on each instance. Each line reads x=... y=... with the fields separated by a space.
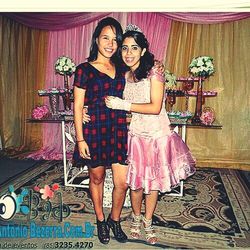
x=157 y=72
x=159 y=67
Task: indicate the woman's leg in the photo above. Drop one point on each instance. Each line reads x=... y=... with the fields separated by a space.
x=119 y=173
x=97 y=177
x=150 y=205
x=118 y=196
x=136 y=202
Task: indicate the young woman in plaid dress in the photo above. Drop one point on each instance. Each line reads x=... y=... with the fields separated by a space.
x=103 y=141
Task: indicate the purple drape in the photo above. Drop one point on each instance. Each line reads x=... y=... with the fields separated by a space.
x=205 y=17
x=66 y=20
x=55 y=21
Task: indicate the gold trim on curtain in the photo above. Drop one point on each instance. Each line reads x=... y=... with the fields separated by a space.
x=23 y=55
x=229 y=45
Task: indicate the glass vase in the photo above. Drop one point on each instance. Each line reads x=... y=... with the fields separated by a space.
x=198 y=107
x=66 y=95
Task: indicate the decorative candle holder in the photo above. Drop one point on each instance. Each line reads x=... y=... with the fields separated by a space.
x=54 y=104
x=171 y=101
x=198 y=106
x=66 y=96
x=188 y=85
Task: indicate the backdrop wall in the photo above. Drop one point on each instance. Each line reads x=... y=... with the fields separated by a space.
x=30 y=45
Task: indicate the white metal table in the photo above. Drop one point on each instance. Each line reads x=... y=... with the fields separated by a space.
x=68 y=181
x=72 y=173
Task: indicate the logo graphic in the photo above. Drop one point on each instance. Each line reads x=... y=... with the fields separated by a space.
x=36 y=203
x=7 y=207
x=10 y=204
x=41 y=203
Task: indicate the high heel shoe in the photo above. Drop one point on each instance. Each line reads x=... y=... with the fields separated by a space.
x=149 y=231
x=103 y=231
x=135 y=226
x=117 y=230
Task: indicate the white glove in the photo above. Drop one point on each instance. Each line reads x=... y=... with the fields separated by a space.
x=113 y=102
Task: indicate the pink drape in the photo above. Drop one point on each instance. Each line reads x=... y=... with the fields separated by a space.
x=55 y=21
x=156 y=28
x=67 y=20
x=205 y=17
x=75 y=43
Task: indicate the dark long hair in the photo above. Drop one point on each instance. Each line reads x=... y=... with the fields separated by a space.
x=114 y=24
x=147 y=60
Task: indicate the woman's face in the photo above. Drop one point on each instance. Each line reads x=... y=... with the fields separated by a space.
x=106 y=42
x=131 y=53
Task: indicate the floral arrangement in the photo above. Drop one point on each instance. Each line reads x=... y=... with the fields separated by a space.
x=201 y=66
x=180 y=117
x=170 y=80
x=40 y=112
x=65 y=66
x=180 y=114
x=47 y=192
x=207 y=116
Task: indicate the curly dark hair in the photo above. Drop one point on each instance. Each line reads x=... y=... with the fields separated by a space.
x=116 y=26
x=147 y=60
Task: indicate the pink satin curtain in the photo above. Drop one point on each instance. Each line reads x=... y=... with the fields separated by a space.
x=156 y=28
x=75 y=43
x=67 y=20
x=205 y=17
x=55 y=20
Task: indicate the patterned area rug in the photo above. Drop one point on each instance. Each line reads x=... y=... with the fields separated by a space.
x=213 y=213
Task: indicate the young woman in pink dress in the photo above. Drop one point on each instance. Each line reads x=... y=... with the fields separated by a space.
x=158 y=159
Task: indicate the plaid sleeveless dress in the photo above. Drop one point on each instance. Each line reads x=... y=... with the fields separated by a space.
x=106 y=133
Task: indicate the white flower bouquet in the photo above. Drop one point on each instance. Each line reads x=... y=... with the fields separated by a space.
x=201 y=66
x=170 y=80
x=65 y=66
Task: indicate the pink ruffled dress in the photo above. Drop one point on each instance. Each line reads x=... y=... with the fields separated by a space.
x=158 y=159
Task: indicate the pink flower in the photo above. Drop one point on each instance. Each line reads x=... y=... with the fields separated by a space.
x=40 y=112
x=47 y=192
x=36 y=188
x=55 y=187
x=207 y=117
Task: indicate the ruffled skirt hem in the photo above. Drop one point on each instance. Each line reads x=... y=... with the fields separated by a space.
x=158 y=163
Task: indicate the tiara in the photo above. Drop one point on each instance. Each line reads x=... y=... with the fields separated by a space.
x=132 y=27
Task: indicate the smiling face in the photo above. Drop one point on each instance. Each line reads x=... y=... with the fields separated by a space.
x=131 y=53
x=106 y=42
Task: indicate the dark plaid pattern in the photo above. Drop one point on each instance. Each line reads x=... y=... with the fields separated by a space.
x=106 y=134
